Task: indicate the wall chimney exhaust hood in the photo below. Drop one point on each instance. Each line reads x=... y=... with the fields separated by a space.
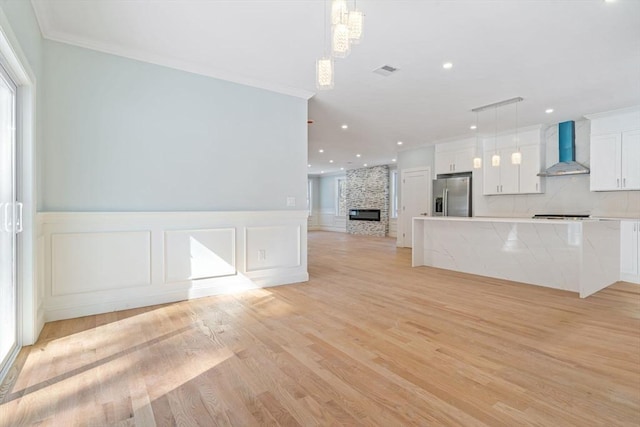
x=567 y=146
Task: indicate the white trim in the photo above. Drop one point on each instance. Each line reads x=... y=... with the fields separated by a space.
x=30 y=320
x=281 y=234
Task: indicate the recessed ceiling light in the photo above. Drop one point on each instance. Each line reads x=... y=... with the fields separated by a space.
x=344 y=126
x=549 y=110
x=321 y=171
x=393 y=160
x=357 y=155
x=330 y=161
x=309 y=165
x=609 y=1
x=365 y=164
x=473 y=127
x=321 y=151
x=447 y=65
x=399 y=142
x=341 y=169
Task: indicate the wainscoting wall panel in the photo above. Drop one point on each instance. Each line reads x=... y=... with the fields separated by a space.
x=89 y=262
x=272 y=247
x=199 y=254
x=329 y=221
x=100 y=262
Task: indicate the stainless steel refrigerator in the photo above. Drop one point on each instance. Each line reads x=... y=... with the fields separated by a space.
x=452 y=195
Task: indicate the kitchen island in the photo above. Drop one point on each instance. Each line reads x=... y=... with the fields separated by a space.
x=581 y=256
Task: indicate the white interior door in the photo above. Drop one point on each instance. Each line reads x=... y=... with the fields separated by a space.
x=416 y=201
x=9 y=212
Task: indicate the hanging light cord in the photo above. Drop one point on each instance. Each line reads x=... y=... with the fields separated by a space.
x=517 y=139
x=495 y=139
x=477 y=139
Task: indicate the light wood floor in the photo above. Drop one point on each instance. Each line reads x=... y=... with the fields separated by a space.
x=368 y=341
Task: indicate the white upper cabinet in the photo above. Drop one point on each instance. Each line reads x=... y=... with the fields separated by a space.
x=455 y=156
x=530 y=168
x=509 y=178
x=615 y=150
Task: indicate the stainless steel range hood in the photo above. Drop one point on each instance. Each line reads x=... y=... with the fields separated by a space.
x=567 y=147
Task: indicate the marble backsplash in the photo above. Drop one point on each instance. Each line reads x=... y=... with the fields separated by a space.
x=563 y=194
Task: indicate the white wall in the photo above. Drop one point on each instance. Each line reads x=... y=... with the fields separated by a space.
x=123 y=135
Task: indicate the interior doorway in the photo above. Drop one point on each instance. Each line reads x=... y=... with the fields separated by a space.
x=415 y=200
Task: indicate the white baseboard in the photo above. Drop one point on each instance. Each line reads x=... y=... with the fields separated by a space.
x=101 y=262
x=334 y=229
x=631 y=278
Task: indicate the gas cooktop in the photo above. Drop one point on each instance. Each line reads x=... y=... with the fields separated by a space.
x=561 y=216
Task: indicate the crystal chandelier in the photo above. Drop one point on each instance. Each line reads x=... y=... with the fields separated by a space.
x=346 y=29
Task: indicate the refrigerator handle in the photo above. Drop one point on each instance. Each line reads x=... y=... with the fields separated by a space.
x=445 y=202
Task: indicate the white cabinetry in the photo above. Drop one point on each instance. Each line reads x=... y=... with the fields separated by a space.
x=502 y=179
x=455 y=156
x=615 y=151
x=630 y=251
x=508 y=178
x=530 y=168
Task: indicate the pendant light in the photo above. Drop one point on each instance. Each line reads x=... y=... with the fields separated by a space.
x=339 y=11
x=340 y=41
x=324 y=65
x=324 y=73
x=340 y=46
x=516 y=156
x=477 y=160
x=495 y=159
x=355 y=22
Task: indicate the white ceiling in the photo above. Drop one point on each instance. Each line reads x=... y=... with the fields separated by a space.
x=575 y=56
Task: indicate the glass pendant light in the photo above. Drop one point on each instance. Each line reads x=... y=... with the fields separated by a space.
x=324 y=65
x=340 y=29
x=516 y=156
x=324 y=73
x=477 y=160
x=495 y=159
x=340 y=41
x=339 y=12
x=355 y=22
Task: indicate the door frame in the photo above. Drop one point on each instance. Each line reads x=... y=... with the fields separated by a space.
x=29 y=322
x=400 y=239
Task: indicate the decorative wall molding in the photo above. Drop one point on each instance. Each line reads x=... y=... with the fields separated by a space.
x=327 y=220
x=99 y=262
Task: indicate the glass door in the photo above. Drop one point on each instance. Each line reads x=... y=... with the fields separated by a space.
x=9 y=225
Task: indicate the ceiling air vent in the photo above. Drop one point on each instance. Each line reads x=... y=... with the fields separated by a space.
x=385 y=70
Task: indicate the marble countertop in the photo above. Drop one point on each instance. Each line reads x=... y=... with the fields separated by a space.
x=503 y=219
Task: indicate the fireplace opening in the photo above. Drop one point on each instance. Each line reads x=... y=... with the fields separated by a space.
x=364 y=214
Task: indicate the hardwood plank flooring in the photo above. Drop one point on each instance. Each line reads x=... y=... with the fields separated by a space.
x=367 y=341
